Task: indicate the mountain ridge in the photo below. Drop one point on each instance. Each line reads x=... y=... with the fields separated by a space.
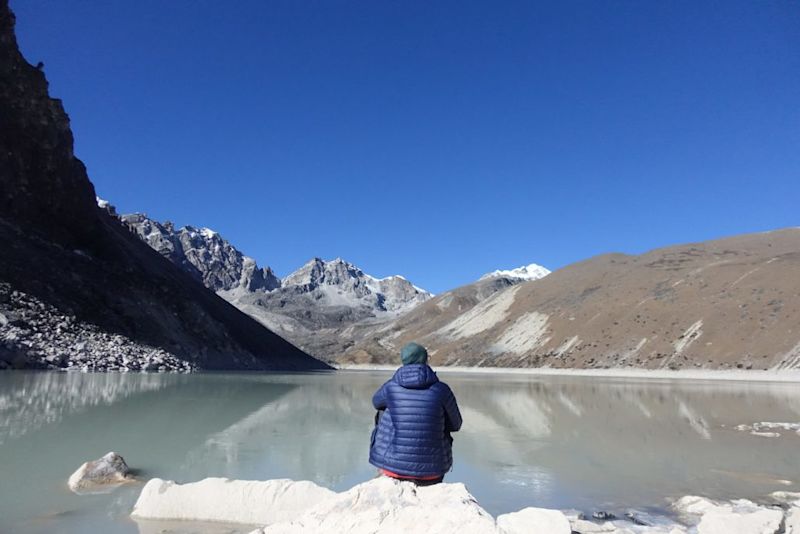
x=67 y=261
x=727 y=303
x=319 y=307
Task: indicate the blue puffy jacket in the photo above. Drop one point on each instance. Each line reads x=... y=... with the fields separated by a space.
x=412 y=437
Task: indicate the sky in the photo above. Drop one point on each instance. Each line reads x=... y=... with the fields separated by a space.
x=437 y=140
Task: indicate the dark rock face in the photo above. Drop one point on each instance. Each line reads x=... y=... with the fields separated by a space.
x=60 y=249
x=43 y=183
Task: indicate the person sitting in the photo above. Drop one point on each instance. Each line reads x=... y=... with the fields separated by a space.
x=416 y=414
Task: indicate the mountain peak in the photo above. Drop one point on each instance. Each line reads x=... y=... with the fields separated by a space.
x=532 y=271
x=204 y=253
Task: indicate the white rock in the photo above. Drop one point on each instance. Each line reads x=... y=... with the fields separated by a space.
x=233 y=501
x=760 y=521
x=643 y=529
x=786 y=497
x=534 y=521
x=692 y=507
x=588 y=527
x=793 y=521
x=388 y=506
x=101 y=475
x=736 y=517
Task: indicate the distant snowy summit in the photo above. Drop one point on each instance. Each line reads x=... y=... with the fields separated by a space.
x=524 y=273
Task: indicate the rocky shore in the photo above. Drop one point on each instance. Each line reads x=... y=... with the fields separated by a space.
x=384 y=505
x=35 y=335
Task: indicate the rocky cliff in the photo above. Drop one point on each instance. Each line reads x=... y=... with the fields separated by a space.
x=64 y=255
x=204 y=254
x=730 y=303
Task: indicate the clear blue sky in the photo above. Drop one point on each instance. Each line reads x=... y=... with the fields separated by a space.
x=439 y=140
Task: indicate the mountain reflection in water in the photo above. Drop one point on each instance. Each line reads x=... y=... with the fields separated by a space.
x=558 y=442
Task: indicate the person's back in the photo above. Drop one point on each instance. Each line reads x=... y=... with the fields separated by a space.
x=412 y=438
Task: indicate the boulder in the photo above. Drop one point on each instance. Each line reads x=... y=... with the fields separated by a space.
x=788 y=498
x=792 y=525
x=534 y=521
x=378 y=506
x=101 y=475
x=583 y=526
x=692 y=507
x=234 y=501
x=391 y=506
x=761 y=521
x=736 y=517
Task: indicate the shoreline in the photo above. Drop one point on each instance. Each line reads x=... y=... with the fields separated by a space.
x=779 y=376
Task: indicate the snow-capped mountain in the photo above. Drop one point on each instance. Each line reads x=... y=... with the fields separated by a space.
x=340 y=282
x=203 y=253
x=524 y=273
x=318 y=307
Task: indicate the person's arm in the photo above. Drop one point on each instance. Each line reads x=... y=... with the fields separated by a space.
x=452 y=415
x=379 y=398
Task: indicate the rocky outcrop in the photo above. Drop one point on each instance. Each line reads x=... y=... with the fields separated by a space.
x=725 y=304
x=326 y=306
x=36 y=335
x=285 y=506
x=386 y=505
x=534 y=521
x=63 y=251
x=390 y=294
x=204 y=254
x=735 y=517
x=101 y=475
x=233 y=501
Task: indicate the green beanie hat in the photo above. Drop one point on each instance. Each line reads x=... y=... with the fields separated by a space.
x=414 y=353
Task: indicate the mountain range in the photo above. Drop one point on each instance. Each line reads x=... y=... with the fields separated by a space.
x=82 y=287
x=320 y=307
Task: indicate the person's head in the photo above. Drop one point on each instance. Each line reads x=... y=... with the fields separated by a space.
x=413 y=353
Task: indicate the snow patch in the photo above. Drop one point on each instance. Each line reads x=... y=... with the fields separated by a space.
x=208 y=233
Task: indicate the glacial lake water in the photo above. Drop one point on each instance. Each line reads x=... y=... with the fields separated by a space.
x=582 y=443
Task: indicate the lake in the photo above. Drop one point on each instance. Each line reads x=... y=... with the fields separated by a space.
x=585 y=443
